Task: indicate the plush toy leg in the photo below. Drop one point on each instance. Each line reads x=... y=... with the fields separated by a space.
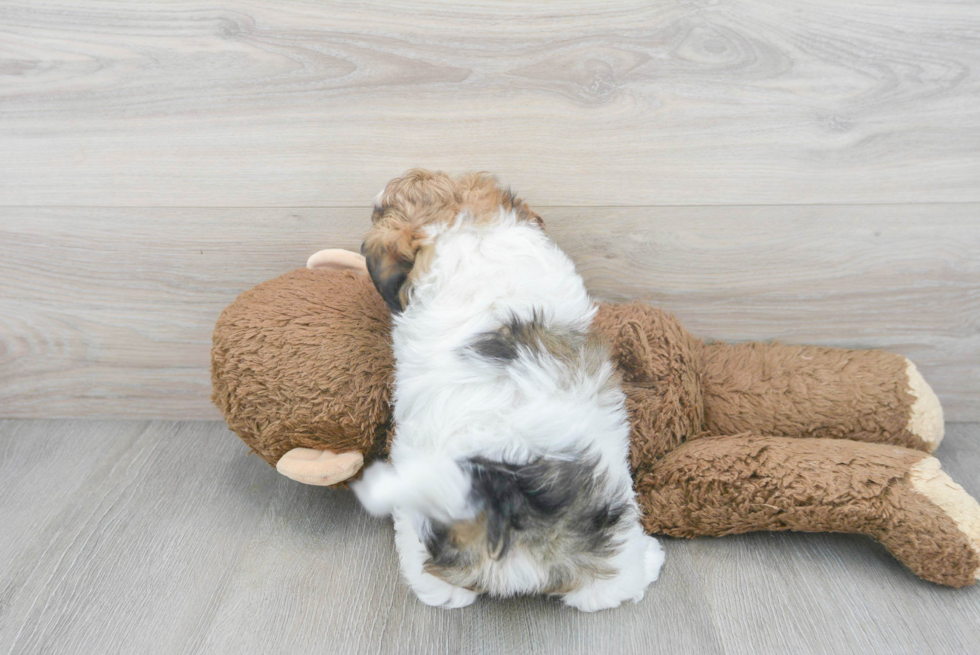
x=809 y=391
x=338 y=260
x=319 y=467
x=726 y=485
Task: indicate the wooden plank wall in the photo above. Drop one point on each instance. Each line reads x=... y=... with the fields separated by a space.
x=806 y=171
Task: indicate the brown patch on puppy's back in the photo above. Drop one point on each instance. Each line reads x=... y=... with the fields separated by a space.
x=529 y=336
x=533 y=337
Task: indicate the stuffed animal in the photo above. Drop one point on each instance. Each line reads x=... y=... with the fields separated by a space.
x=726 y=438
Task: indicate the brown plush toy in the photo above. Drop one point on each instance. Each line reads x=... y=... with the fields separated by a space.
x=726 y=438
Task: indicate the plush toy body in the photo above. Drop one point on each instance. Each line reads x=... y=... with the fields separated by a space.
x=726 y=438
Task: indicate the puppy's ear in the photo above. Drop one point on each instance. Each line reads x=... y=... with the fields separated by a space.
x=499 y=531
x=496 y=488
x=390 y=256
x=524 y=212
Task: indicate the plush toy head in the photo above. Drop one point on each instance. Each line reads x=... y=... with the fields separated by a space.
x=304 y=362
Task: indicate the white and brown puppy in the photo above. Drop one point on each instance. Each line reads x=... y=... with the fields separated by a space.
x=508 y=471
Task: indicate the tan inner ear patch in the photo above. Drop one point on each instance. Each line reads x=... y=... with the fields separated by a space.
x=931 y=481
x=926 y=414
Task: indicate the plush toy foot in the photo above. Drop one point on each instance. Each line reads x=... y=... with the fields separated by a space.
x=338 y=260
x=952 y=500
x=926 y=414
x=319 y=467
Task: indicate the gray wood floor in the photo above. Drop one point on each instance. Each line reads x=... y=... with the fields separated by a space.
x=165 y=537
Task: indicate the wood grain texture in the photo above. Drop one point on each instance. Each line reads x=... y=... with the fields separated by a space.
x=727 y=160
x=108 y=312
x=299 y=103
x=156 y=537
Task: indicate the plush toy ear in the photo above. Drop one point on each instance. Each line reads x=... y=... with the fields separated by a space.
x=338 y=260
x=319 y=467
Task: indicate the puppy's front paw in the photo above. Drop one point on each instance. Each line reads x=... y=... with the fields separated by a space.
x=653 y=560
x=593 y=599
x=439 y=593
x=641 y=564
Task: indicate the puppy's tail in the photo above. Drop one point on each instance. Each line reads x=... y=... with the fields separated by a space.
x=437 y=487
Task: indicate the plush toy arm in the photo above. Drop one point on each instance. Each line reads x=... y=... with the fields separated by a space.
x=725 y=485
x=809 y=391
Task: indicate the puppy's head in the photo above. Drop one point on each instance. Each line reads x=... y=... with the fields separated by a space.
x=547 y=526
x=550 y=525
x=397 y=248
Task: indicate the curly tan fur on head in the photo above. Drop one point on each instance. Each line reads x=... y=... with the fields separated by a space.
x=395 y=247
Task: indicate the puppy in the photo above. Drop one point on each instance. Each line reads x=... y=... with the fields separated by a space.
x=508 y=471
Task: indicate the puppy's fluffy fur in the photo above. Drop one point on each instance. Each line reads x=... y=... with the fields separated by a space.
x=508 y=470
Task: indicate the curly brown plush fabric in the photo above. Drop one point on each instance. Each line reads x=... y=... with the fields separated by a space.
x=755 y=387
x=734 y=484
x=726 y=438
x=661 y=377
x=339 y=391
